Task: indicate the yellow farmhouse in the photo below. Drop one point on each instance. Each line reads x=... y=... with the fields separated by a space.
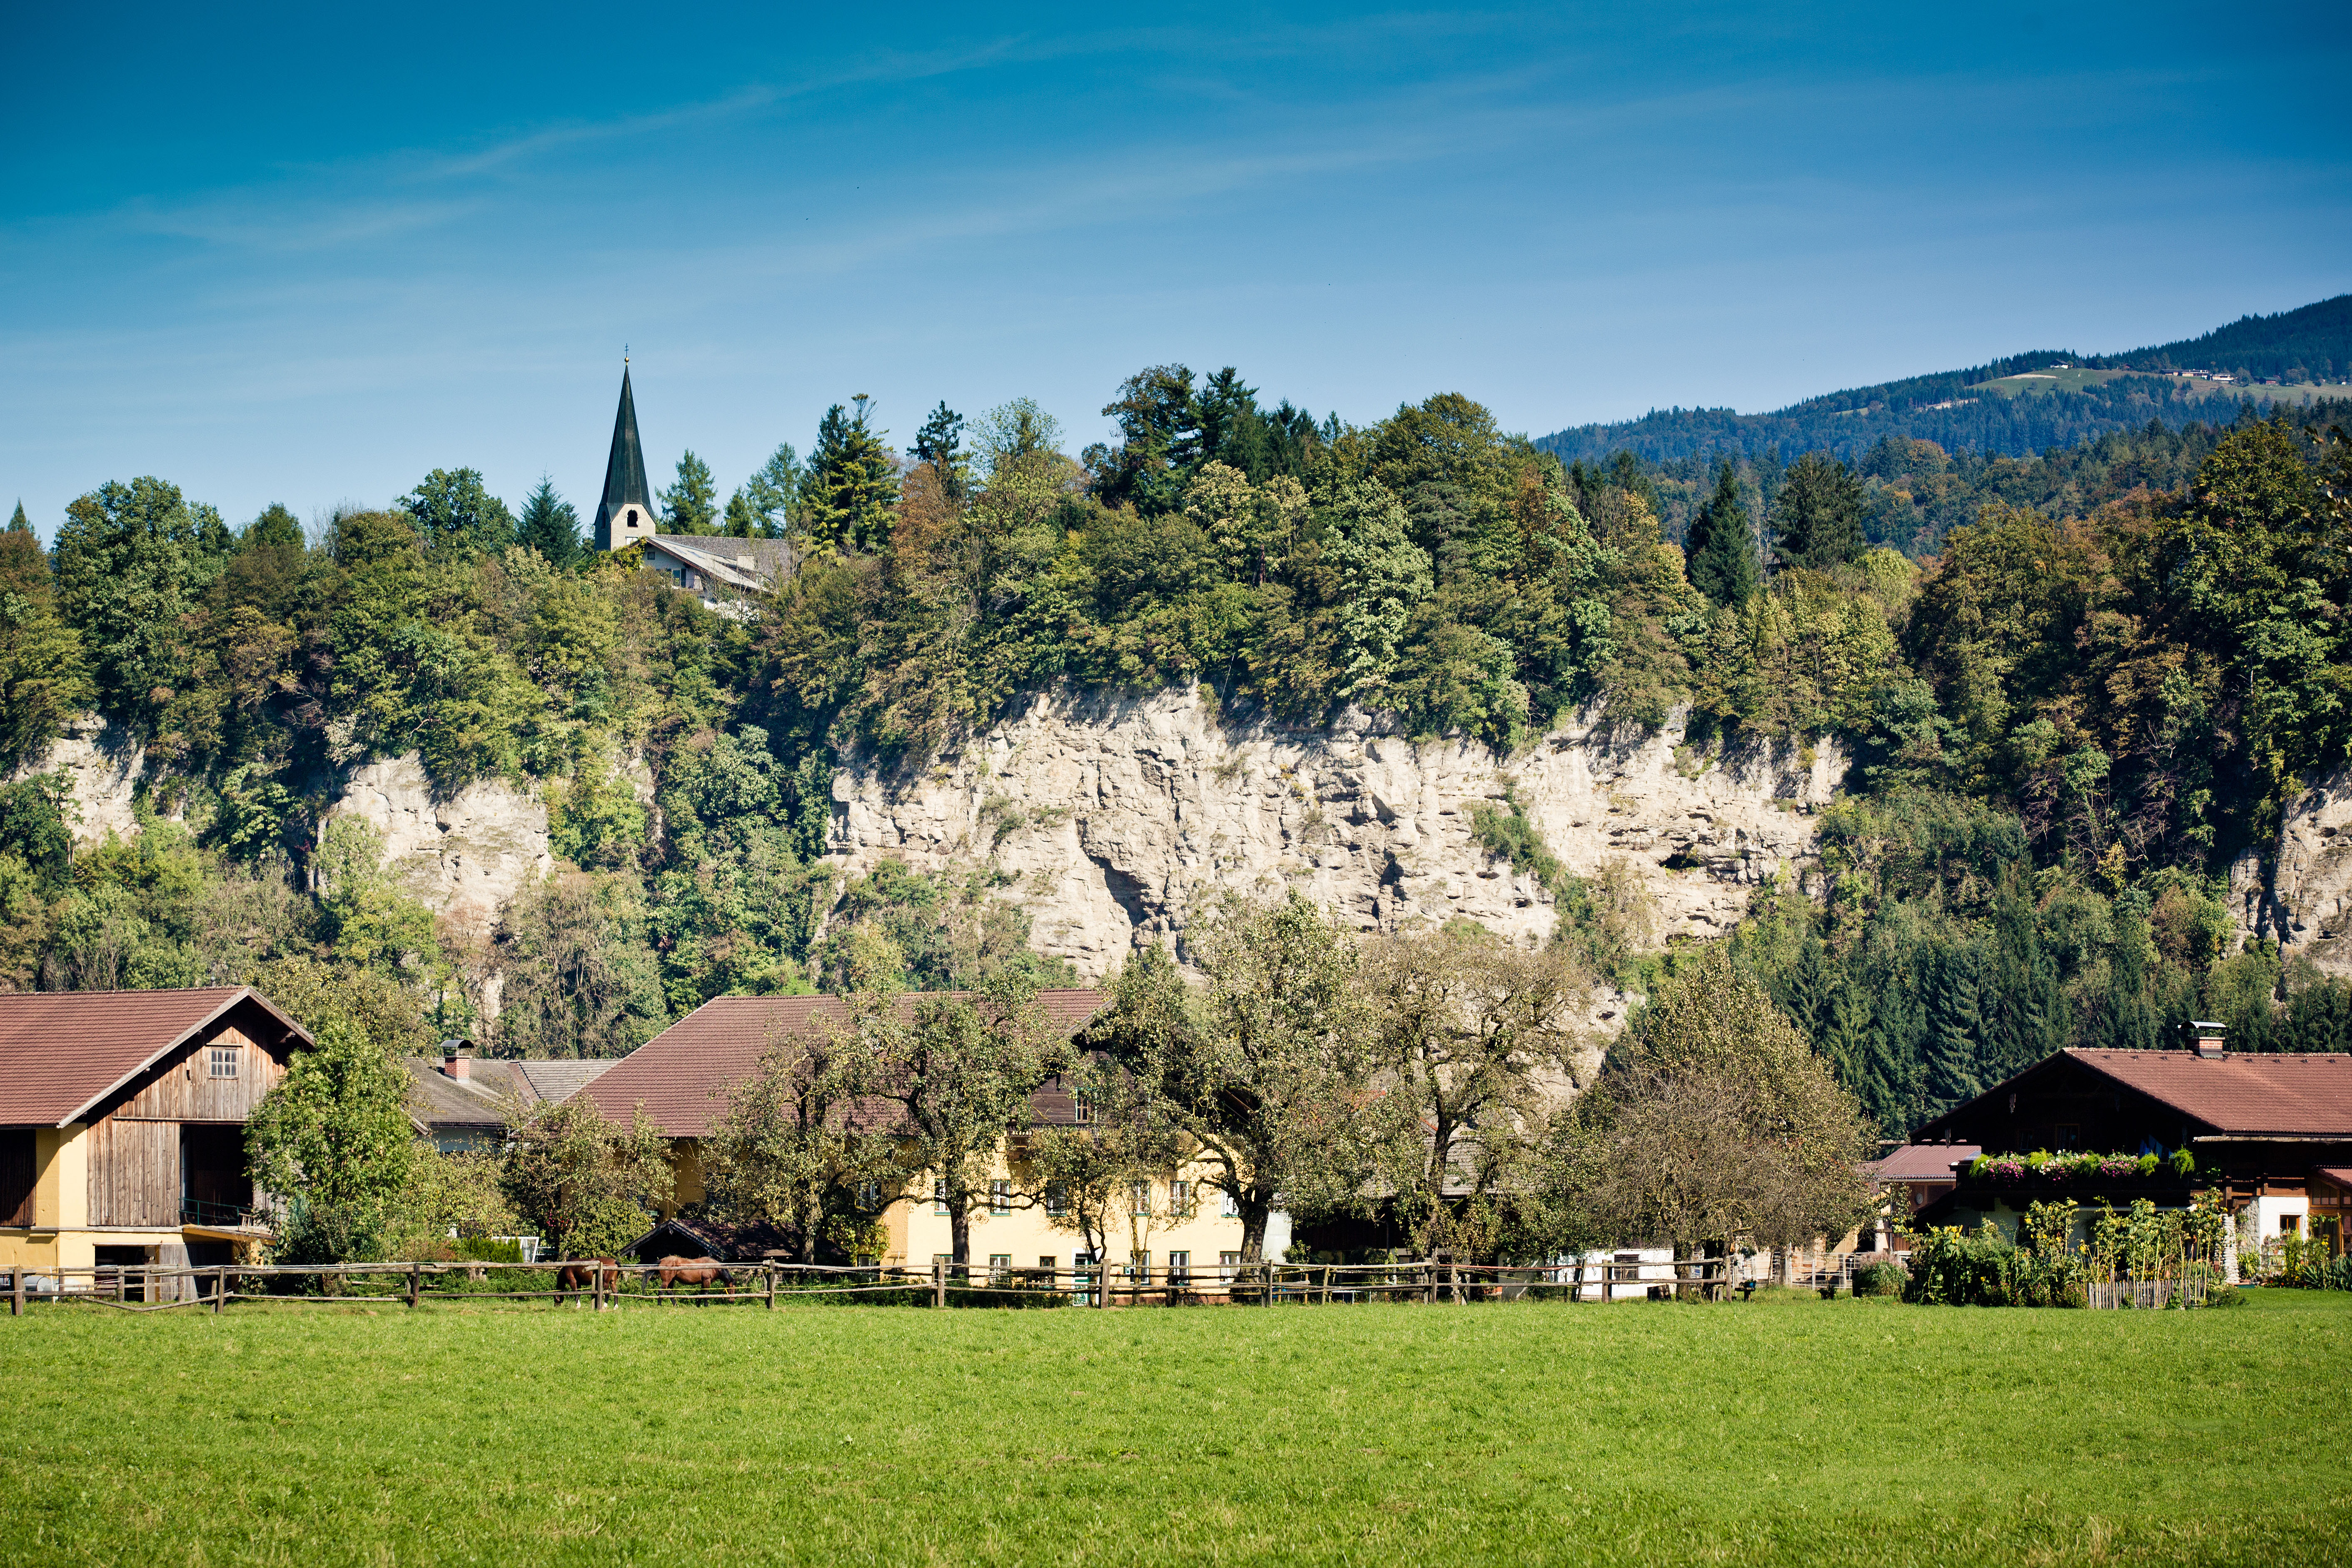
x=680 y=1080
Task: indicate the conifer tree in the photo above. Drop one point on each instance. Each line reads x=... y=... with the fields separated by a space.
x=853 y=484
x=19 y=524
x=549 y=525
x=1722 y=547
x=692 y=505
x=1818 y=513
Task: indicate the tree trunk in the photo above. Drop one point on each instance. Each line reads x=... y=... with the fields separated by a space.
x=1254 y=1215
x=959 y=1227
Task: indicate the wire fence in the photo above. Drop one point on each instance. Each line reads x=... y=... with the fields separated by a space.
x=606 y=1286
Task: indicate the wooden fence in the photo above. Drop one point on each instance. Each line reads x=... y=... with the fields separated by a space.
x=158 y=1288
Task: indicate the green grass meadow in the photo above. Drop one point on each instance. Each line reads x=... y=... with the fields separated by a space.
x=1773 y=1431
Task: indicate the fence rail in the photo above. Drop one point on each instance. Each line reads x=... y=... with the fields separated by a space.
x=600 y=1287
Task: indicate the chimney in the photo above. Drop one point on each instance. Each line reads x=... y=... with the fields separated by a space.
x=457 y=1059
x=2209 y=1038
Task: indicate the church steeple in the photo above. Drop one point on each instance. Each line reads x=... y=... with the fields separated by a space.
x=626 y=513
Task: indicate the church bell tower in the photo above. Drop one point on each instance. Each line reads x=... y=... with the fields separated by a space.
x=626 y=513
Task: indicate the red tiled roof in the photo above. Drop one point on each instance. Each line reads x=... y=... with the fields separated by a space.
x=2252 y=1094
x=61 y=1052
x=1923 y=1161
x=679 y=1074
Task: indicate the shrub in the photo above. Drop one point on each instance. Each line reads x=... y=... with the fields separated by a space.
x=1881 y=1279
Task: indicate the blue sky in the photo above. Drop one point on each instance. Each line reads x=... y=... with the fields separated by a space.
x=307 y=255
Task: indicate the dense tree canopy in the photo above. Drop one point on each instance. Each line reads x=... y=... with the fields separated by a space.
x=2078 y=689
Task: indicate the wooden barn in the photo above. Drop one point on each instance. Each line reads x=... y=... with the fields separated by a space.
x=122 y=1124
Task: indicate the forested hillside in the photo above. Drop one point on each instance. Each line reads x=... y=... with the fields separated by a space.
x=1956 y=411
x=2067 y=724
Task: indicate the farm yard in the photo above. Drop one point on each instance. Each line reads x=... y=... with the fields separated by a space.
x=1784 y=1428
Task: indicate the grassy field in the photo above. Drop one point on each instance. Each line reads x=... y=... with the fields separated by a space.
x=1794 y=1430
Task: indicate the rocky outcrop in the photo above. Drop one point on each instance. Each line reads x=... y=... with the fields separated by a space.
x=2305 y=902
x=101 y=764
x=468 y=856
x=1122 y=817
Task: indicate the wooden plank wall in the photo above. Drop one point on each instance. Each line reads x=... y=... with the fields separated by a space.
x=185 y=1089
x=134 y=1172
x=17 y=1175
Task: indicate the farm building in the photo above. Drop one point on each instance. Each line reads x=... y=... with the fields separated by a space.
x=680 y=1079
x=122 y=1124
x=457 y=1102
x=2267 y=1129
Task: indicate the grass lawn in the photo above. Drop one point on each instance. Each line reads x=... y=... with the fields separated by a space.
x=1789 y=1430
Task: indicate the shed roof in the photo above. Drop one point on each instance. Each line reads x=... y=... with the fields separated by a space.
x=680 y=1074
x=2252 y=1094
x=61 y=1052
x=492 y=1085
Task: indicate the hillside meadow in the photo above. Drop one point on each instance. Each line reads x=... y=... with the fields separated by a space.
x=1769 y=1431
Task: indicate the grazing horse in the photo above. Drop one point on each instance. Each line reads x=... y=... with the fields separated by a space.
x=700 y=1272
x=580 y=1276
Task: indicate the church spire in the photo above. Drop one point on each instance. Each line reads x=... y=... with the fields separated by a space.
x=626 y=513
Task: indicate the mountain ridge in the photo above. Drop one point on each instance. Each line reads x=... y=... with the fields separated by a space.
x=1956 y=411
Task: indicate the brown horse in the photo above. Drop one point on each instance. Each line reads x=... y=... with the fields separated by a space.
x=575 y=1277
x=700 y=1272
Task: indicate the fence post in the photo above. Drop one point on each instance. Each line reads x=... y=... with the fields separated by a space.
x=17 y=1291
x=220 y=1287
x=938 y=1283
x=772 y=1286
x=596 y=1286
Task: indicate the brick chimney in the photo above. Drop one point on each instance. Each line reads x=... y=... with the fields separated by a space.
x=2208 y=1036
x=457 y=1059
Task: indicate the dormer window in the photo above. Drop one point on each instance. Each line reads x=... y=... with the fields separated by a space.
x=222 y=1060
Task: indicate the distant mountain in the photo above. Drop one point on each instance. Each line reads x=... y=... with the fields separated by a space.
x=2000 y=407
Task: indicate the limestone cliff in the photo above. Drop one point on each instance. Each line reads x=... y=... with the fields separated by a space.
x=101 y=764
x=2302 y=899
x=1122 y=816
x=468 y=856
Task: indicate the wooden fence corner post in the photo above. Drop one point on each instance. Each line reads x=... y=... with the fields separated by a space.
x=772 y=1286
x=938 y=1283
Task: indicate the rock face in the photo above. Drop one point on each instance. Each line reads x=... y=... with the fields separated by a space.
x=102 y=764
x=465 y=857
x=2306 y=904
x=1123 y=817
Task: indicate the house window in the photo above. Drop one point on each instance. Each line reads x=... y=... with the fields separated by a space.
x=2289 y=1224
x=1232 y=1205
x=1228 y=1263
x=1082 y=1107
x=938 y=1197
x=1139 y=1197
x=1180 y=1199
x=999 y=1267
x=1046 y=1264
x=1139 y=1266
x=1179 y=1268
x=999 y=1197
x=2068 y=1135
x=223 y=1061
x=942 y=1262
x=1057 y=1200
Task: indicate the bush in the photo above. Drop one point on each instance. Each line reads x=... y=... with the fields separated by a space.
x=1881 y=1279
x=1950 y=1267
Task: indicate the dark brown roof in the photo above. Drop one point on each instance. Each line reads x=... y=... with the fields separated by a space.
x=2249 y=1094
x=1923 y=1161
x=61 y=1052
x=679 y=1074
x=2340 y=1174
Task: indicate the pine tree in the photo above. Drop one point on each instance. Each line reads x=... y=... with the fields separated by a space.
x=692 y=503
x=941 y=444
x=1818 y=513
x=852 y=489
x=1722 y=545
x=18 y=523
x=767 y=498
x=549 y=525
x=1954 y=1054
